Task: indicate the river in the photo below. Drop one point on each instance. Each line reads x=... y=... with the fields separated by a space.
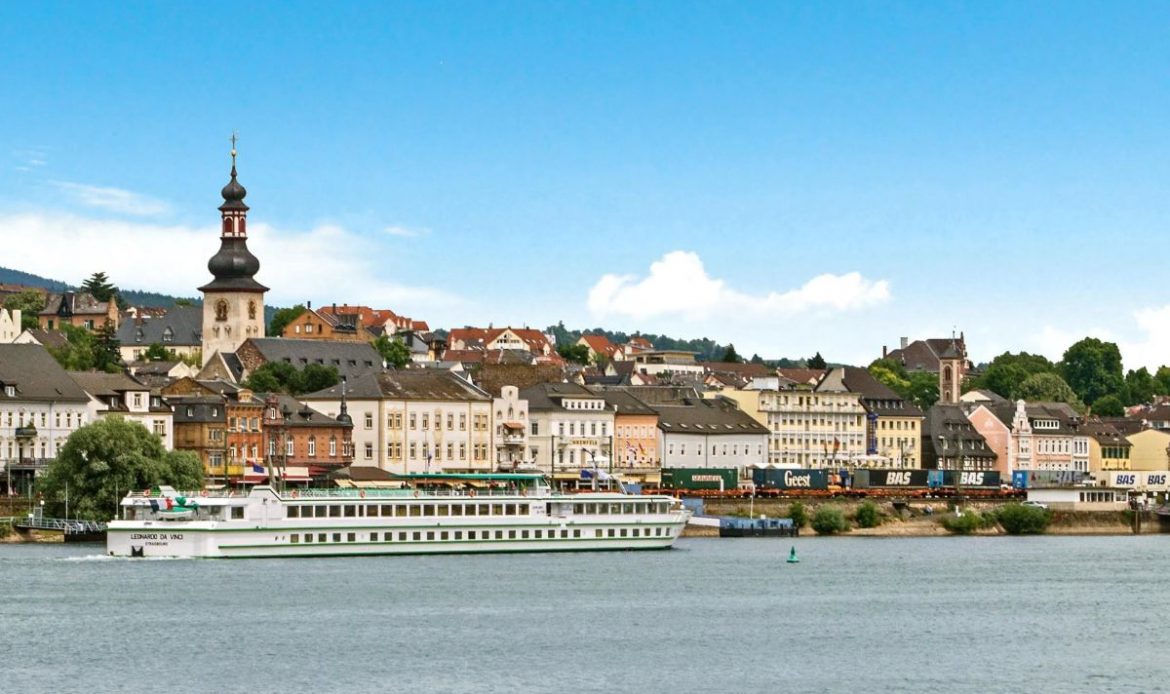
x=974 y=614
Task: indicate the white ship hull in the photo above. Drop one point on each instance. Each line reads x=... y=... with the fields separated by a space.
x=264 y=526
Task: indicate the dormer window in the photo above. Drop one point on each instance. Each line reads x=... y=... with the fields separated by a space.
x=168 y=335
x=10 y=391
x=138 y=335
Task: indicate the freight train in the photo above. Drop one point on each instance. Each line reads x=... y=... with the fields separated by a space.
x=787 y=482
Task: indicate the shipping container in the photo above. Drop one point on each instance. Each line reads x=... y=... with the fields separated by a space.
x=935 y=479
x=989 y=478
x=790 y=479
x=688 y=478
x=879 y=479
x=1030 y=479
x=1145 y=481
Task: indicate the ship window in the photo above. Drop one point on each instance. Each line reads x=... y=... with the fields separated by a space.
x=511 y=534
x=497 y=509
x=402 y=537
x=414 y=510
x=622 y=532
x=321 y=511
x=428 y=510
x=294 y=511
x=371 y=510
x=416 y=536
x=578 y=509
x=350 y=511
x=457 y=510
x=321 y=537
x=564 y=534
x=373 y=537
x=334 y=511
x=524 y=534
x=509 y=509
x=430 y=535
x=499 y=534
x=308 y=537
x=458 y=534
x=576 y=533
x=337 y=537
x=237 y=512
x=443 y=535
x=384 y=510
x=351 y=537
x=443 y=510
x=295 y=539
x=611 y=532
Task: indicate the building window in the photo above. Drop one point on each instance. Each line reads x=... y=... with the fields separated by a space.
x=332 y=446
x=369 y=420
x=221 y=310
x=288 y=447
x=252 y=310
x=312 y=446
x=369 y=451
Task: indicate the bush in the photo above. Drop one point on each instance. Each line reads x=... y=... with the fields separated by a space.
x=1017 y=519
x=868 y=516
x=965 y=524
x=829 y=520
x=799 y=514
x=5 y=529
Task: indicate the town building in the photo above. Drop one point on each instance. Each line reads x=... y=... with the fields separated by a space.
x=327 y=325
x=244 y=436
x=815 y=426
x=950 y=441
x=1149 y=450
x=200 y=426
x=79 y=309
x=663 y=361
x=601 y=349
x=510 y=429
x=119 y=395
x=377 y=321
x=418 y=420
x=635 y=435
x=302 y=443
x=9 y=326
x=1108 y=448
x=40 y=406
x=351 y=359
x=1036 y=436
x=571 y=429
x=487 y=339
x=233 y=301
x=706 y=433
x=893 y=425
x=178 y=330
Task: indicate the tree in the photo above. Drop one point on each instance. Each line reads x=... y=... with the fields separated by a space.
x=829 y=520
x=730 y=356
x=817 y=362
x=1006 y=372
x=156 y=352
x=106 y=355
x=574 y=353
x=923 y=390
x=394 y=351
x=868 y=515
x=315 y=377
x=102 y=461
x=100 y=287
x=1049 y=388
x=273 y=377
x=1140 y=387
x=282 y=318
x=1162 y=378
x=920 y=387
x=757 y=359
x=1017 y=519
x=1109 y=406
x=78 y=352
x=1092 y=368
x=29 y=302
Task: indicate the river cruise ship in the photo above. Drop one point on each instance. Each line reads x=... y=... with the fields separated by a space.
x=434 y=514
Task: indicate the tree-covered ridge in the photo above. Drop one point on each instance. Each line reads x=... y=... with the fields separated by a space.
x=705 y=348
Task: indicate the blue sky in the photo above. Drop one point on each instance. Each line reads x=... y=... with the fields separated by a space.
x=790 y=177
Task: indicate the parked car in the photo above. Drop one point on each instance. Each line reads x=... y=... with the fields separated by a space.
x=1035 y=504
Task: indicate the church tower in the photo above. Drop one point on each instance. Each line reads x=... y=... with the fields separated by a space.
x=952 y=368
x=233 y=302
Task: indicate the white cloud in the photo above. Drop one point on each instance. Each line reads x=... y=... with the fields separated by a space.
x=406 y=232
x=113 y=199
x=326 y=263
x=679 y=285
x=1153 y=349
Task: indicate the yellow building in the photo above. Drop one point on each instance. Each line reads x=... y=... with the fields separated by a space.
x=1108 y=448
x=1150 y=451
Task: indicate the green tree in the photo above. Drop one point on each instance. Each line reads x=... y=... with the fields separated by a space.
x=817 y=362
x=106 y=356
x=29 y=302
x=829 y=520
x=1109 y=406
x=923 y=390
x=393 y=350
x=799 y=514
x=1092 y=368
x=757 y=359
x=77 y=354
x=730 y=356
x=283 y=317
x=1006 y=372
x=574 y=353
x=1140 y=386
x=1046 y=387
x=314 y=377
x=892 y=375
x=273 y=377
x=1017 y=519
x=102 y=461
x=1162 y=381
x=100 y=287
x=868 y=515
x=156 y=352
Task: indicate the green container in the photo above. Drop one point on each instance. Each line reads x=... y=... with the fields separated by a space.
x=694 y=478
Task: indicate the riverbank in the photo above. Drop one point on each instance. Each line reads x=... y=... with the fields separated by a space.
x=923 y=518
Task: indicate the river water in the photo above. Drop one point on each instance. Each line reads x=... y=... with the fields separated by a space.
x=981 y=614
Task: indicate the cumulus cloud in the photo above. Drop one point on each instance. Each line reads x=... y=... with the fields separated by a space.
x=325 y=263
x=1153 y=349
x=679 y=285
x=112 y=199
x=406 y=232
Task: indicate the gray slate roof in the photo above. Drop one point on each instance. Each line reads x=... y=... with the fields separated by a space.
x=349 y=358
x=36 y=376
x=707 y=417
x=413 y=384
x=185 y=324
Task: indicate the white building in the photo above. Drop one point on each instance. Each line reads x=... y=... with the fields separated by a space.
x=510 y=428
x=706 y=433
x=821 y=426
x=570 y=428
x=40 y=406
x=410 y=421
x=119 y=395
x=9 y=326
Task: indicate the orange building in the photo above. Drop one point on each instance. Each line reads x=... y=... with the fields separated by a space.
x=635 y=434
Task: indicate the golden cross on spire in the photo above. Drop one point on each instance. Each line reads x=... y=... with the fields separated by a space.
x=235 y=136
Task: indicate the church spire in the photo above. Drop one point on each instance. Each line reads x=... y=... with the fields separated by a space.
x=234 y=266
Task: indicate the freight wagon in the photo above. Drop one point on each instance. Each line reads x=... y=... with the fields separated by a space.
x=695 y=479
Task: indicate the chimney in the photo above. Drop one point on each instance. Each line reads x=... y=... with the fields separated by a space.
x=884 y=353
x=309 y=305
x=905 y=342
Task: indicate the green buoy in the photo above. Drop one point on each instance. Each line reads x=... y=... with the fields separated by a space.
x=792 y=556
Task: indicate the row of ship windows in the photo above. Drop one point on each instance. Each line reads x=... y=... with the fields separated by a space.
x=467 y=509
x=458 y=535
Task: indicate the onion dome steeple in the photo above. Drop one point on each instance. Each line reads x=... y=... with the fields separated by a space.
x=234 y=266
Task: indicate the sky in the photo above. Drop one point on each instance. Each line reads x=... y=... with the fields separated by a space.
x=790 y=177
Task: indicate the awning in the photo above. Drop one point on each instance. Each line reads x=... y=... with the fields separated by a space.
x=294 y=474
x=513 y=425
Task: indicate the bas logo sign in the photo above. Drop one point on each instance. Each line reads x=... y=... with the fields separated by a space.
x=900 y=478
x=973 y=478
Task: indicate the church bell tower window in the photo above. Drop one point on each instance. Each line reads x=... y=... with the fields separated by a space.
x=221 y=310
x=252 y=310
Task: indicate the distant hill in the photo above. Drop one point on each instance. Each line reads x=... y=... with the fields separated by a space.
x=705 y=348
x=9 y=276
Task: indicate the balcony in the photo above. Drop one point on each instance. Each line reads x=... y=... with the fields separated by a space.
x=512 y=439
